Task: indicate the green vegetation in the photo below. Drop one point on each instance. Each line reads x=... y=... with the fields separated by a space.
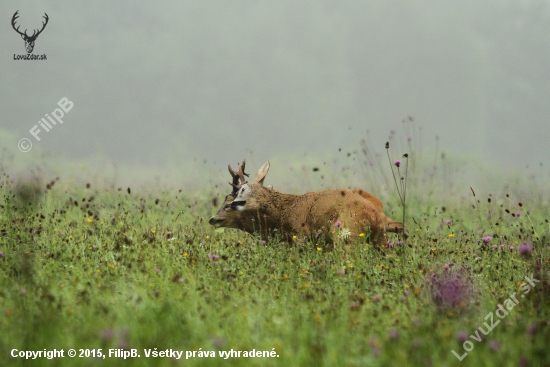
x=90 y=267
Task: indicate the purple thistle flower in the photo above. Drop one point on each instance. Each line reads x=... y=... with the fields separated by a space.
x=393 y=333
x=376 y=298
x=212 y=256
x=338 y=224
x=397 y=163
x=511 y=248
x=113 y=219
x=486 y=239
x=451 y=288
x=390 y=244
x=501 y=247
x=399 y=243
x=446 y=266
x=157 y=270
x=532 y=328
x=461 y=336
x=518 y=214
x=263 y=242
x=107 y=334
x=525 y=249
x=494 y=345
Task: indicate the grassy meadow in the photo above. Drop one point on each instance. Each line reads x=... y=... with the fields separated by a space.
x=93 y=267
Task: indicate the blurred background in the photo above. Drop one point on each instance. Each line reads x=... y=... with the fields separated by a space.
x=169 y=83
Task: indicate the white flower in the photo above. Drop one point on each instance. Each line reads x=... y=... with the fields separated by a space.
x=344 y=233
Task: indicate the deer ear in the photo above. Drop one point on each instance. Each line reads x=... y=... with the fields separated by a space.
x=262 y=173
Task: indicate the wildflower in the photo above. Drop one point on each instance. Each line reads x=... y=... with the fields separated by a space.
x=486 y=239
x=212 y=256
x=154 y=230
x=451 y=235
x=338 y=224
x=525 y=249
x=446 y=267
x=518 y=214
x=293 y=237
x=89 y=220
x=181 y=280
x=434 y=249
x=376 y=298
x=531 y=329
x=344 y=233
x=494 y=345
x=397 y=163
x=341 y=271
x=286 y=276
x=263 y=242
x=390 y=244
x=23 y=291
x=107 y=334
x=399 y=243
x=207 y=237
x=501 y=247
x=319 y=249
x=361 y=235
x=185 y=254
x=393 y=333
x=157 y=270
x=451 y=289
x=461 y=336
x=511 y=248
x=113 y=218
x=448 y=222
x=214 y=262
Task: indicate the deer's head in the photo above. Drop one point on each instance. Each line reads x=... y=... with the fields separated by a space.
x=223 y=217
x=248 y=194
x=29 y=40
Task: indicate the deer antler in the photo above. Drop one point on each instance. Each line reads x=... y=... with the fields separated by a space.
x=15 y=16
x=34 y=34
x=43 y=26
x=239 y=175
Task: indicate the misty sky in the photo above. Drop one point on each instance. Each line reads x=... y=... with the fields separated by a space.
x=153 y=82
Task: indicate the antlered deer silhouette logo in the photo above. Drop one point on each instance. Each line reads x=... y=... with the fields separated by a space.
x=29 y=40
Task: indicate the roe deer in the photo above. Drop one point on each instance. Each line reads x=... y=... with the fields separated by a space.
x=255 y=208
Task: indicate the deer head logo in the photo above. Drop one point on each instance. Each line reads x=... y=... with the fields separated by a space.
x=29 y=40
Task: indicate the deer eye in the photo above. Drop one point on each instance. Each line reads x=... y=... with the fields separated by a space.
x=227 y=206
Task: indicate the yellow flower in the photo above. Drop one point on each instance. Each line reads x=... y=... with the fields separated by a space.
x=418 y=229
x=154 y=230
x=319 y=249
x=285 y=276
x=89 y=220
x=361 y=235
x=434 y=249
x=207 y=237
x=185 y=254
x=293 y=237
x=451 y=235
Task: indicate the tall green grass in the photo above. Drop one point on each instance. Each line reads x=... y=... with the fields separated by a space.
x=89 y=265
